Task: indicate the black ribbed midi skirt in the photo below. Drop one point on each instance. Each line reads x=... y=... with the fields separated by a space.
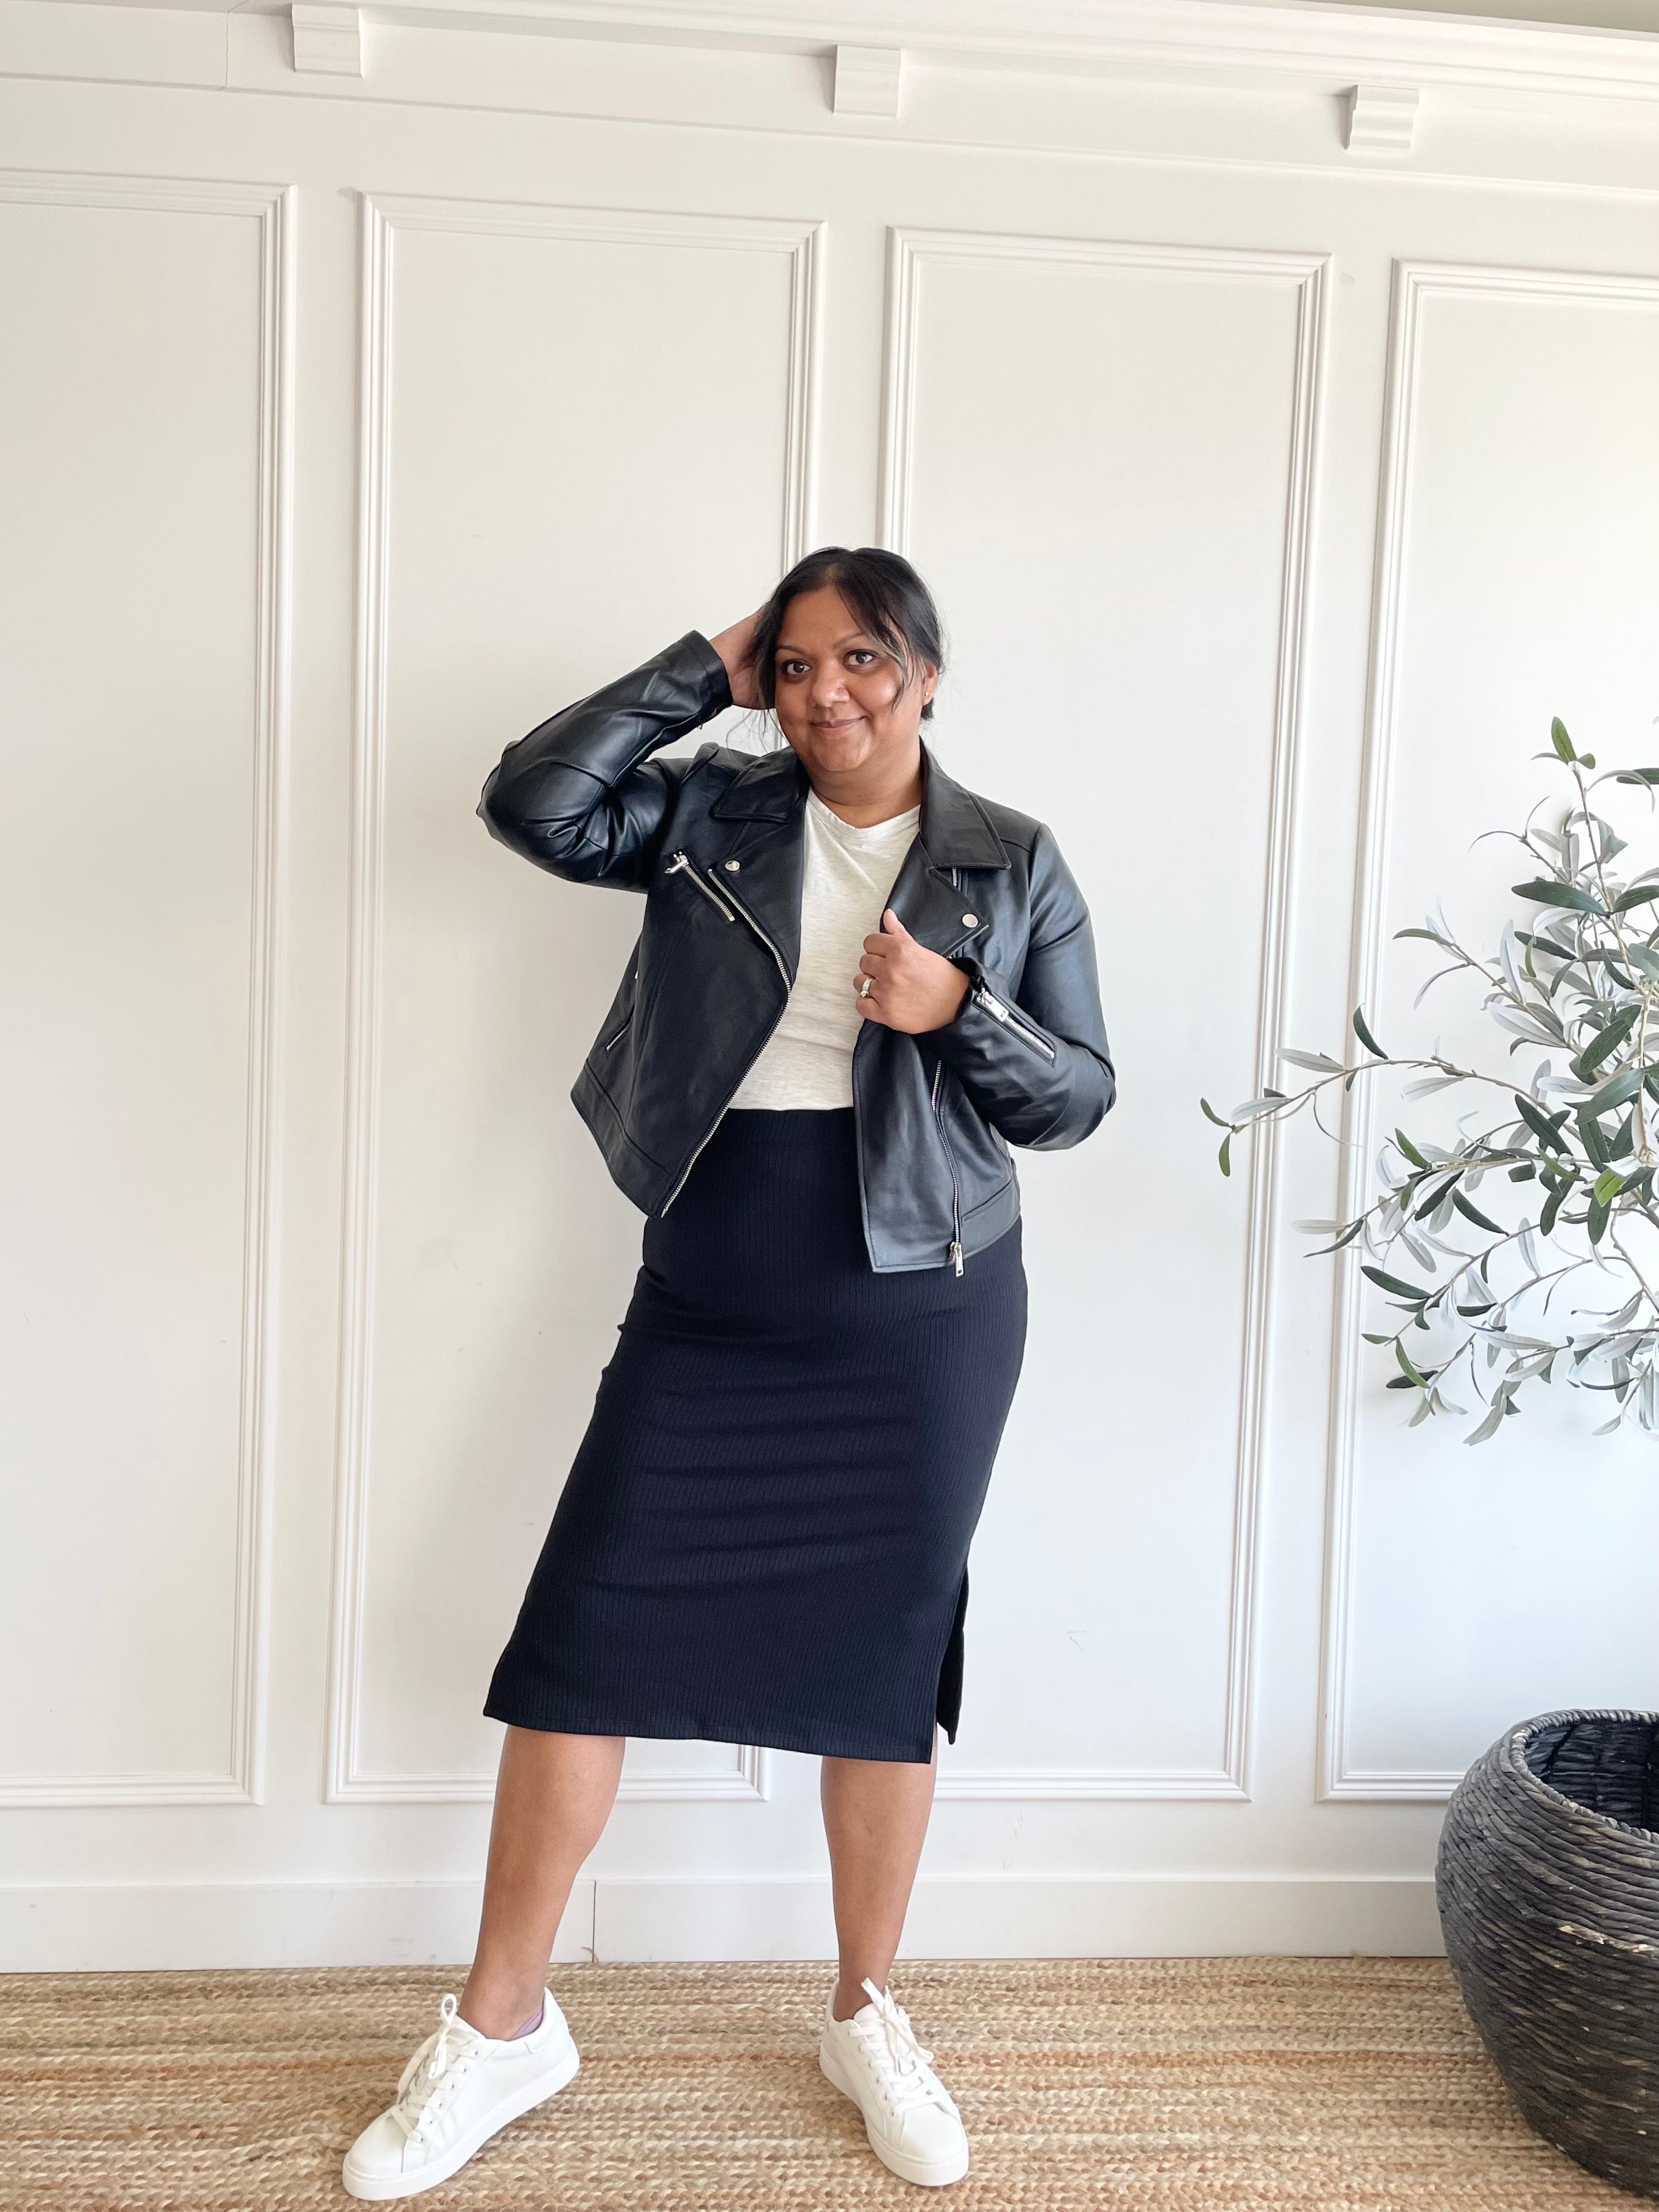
x=763 y=1537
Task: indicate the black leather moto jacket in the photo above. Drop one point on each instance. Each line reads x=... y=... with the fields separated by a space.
x=715 y=844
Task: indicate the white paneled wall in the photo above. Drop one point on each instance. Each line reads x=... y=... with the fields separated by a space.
x=1084 y=507
x=1276 y=495
x=145 y=400
x=472 y=1250
x=1518 y=579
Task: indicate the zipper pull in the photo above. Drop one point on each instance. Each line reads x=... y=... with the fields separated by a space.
x=956 y=1254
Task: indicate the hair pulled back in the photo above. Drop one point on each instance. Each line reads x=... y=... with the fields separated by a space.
x=888 y=600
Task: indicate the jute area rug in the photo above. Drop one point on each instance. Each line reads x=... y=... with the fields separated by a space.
x=1170 y=2085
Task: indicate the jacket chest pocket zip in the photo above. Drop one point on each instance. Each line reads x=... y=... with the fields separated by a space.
x=956 y=1202
x=745 y=915
x=1010 y=1020
x=682 y=863
x=731 y=905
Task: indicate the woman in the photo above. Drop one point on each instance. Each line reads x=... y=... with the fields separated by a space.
x=856 y=985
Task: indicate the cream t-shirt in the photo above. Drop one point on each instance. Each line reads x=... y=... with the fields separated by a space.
x=847 y=876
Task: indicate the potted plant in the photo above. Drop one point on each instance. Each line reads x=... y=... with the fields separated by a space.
x=1547 y=1876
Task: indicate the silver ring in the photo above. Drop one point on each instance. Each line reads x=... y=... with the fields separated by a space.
x=864 y=987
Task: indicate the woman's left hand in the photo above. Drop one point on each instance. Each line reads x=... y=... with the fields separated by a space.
x=902 y=985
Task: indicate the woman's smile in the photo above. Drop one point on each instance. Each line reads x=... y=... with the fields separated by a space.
x=849 y=706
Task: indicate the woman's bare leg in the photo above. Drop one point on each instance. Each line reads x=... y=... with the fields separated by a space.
x=553 y=1795
x=875 y=1816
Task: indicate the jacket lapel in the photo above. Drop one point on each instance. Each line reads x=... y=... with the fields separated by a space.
x=766 y=803
x=766 y=806
x=935 y=912
x=955 y=832
x=955 y=827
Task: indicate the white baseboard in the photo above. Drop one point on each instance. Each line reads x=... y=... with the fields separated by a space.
x=1032 y=1916
x=86 y=1926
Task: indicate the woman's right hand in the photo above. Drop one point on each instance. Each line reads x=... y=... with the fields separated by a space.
x=734 y=646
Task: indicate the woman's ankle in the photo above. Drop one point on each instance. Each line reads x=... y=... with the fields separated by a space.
x=503 y=2010
x=850 y=1997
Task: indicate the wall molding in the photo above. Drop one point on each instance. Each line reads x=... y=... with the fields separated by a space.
x=867 y=80
x=909 y=252
x=382 y=218
x=191 y=47
x=1334 y=46
x=747 y=1779
x=1028 y=1785
x=328 y=38
x=89 y=1926
x=272 y=207
x=1380 y=118
x=1413 y=283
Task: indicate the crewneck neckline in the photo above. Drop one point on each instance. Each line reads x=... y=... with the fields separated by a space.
x=870 y=833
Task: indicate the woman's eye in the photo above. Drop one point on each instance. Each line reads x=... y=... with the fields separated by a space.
x=794 y=669
x=862 y=654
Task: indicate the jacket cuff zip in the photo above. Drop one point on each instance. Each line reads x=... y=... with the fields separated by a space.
x=989 y=993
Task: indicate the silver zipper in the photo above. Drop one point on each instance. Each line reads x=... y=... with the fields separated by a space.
x=692 y=1161
x=748 y=917
x=631 y=978
x=719 y=1117
x=951 y=1158
x=994 y=1006
x=731 y=913
x=682 y=862
x=939 y=1073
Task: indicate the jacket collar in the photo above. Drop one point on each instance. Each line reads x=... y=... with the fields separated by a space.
x=955 y=830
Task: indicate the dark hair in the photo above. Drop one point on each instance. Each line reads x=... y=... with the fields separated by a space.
x=888 y=598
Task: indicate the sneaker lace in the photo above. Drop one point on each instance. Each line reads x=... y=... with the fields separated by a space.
x=451 y=2042
x=904 y=2067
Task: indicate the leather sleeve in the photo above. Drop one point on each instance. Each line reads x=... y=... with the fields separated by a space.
x=580 y=796
x=1034 y=1058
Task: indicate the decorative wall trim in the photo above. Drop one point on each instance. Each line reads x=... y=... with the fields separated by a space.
x=272 y=207
x=383 y=218
x=1414 y=281
x=867 y=80
x=909 y=252
x=748 y=1778
x=1380 y=118
x=1027 y=1785
x=1333 y=45
x=79 y=1927
x=104 y=1927
x=328 y=38
x=1029 y=1916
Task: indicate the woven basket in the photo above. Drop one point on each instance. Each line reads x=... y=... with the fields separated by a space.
x=1547 y=1882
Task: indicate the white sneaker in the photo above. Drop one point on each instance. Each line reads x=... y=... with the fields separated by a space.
x=456 y=2091
x=909 y=2116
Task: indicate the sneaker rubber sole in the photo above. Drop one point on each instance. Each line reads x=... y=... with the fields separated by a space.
x=930 y=2173
x=380 y=2188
